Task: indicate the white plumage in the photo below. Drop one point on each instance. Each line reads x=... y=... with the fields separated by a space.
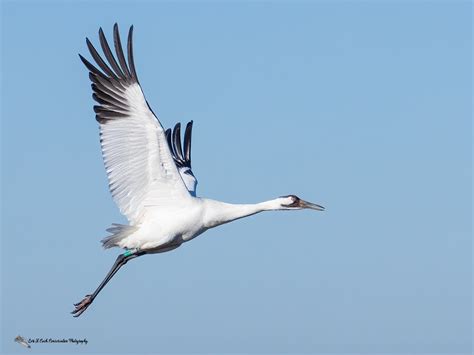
x=150 y=177
x=138 y=162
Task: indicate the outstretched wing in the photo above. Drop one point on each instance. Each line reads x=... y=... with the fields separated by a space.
x=182 y=161
x=139 y=164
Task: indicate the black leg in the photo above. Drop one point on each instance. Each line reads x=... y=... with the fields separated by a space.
x=121 y=260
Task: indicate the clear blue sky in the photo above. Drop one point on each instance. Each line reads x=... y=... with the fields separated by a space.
x=363 y=107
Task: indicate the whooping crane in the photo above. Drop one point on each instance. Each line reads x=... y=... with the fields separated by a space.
x=150 y=177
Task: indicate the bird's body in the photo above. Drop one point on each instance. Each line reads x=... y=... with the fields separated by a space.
x=161 y=226
x=179 y=223
x=149 y=170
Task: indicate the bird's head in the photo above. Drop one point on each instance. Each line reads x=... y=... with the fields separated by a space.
x=293 y=202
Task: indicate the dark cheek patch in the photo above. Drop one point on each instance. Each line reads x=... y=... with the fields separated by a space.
x=295 y=203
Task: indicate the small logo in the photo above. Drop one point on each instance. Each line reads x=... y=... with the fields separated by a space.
x=22 y=341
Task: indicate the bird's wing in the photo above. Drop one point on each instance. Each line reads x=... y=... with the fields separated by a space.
x=139 y=164
x=182 y=160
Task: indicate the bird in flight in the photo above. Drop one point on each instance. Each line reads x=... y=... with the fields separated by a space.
x=149 y=168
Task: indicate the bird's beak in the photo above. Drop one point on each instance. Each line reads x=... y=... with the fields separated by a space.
x=313 y=206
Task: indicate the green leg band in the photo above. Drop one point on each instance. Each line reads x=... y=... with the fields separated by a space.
x=129 y=252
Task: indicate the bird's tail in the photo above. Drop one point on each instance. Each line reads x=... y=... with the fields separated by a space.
x=119 y=232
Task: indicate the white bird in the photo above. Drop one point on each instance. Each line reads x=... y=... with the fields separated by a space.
x=149 y=176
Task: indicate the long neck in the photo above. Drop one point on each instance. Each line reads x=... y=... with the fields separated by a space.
x=217 y=213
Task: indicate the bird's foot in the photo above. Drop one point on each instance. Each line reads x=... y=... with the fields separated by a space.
x=82 y=306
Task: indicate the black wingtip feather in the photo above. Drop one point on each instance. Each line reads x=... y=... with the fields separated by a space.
x=98 y=99
x=108 y=54
x=187 y=142
x=177 y=141
x=119 y=52
x=92 y=69
x=168 y=139
x=98 y=59
x=131 y=62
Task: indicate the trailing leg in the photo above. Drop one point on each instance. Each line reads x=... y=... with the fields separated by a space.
x=121 y=260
